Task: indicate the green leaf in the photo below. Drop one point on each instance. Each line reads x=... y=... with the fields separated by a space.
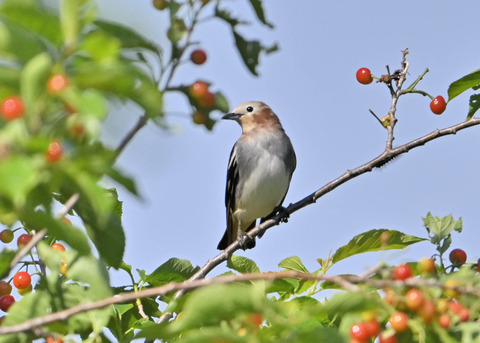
x=33 y=304
x=257 y=6
x=34 y=78
x=130 y=39
x=101 y=46
x=473 y=105
x=439 y=228
x=6 y=257
x=17 y=43
x=174 y=269
x=242 y=264
x=375 y=240
x=100 y=211
x=216 y=303
x=227 y=17
x=123 y=79
x=18 y=176
x=59 y=229
x=250 y=51
x=293 y=263
x=32 y=15
x=461 y=85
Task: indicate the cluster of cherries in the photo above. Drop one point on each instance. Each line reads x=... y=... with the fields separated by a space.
x=13 y=108
x=22 y=280
x=408 y=302
x=438 y=105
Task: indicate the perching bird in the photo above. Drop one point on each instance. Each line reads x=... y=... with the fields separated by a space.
x=261 y=165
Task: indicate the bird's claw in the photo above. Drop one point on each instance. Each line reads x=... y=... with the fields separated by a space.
x=284 y=214
x=243 y=238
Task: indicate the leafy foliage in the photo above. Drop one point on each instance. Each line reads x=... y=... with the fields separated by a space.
x=104 y=61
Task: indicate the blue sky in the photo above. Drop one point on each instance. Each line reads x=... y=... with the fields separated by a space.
x=310 y=83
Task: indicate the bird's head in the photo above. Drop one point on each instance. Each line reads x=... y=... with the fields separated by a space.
x=252 y=115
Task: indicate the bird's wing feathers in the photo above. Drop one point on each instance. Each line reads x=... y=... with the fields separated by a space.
x=232 y=182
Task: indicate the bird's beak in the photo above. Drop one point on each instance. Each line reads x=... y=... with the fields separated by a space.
x=232 y=116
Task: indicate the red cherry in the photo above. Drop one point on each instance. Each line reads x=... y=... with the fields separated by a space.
x=5 y=288
x=198 y=56
x=23 y=239
x=54 y=151
x=458 y=257
x=464 y=315
x=58 y=247
x=444 y=320
x=373 y=327
x=399 y=321
x=388 y=339
x=359 y=332
x=427 y=311
x=5 y=302
x=198 y=89
x=438 y=105
x=6 y=236
x=402 y=272
x=208 y=100
x=256 y=319
x=22 y=280
x=53 y=340
x=57 y=83
x=414 y=299
x=12 y=108
x=364 y=76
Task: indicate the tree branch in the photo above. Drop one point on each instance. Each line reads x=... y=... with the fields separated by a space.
x=350 y=280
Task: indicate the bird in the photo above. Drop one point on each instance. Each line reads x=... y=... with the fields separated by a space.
x=260 y=169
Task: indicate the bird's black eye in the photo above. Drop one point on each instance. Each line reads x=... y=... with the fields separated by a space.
x=250 y=109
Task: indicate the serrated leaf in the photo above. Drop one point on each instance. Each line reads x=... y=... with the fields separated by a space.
x=461 y=85
x=375 y=240
x=174 y=269
x=440 y=228
x=473 y=105
x=242 y=264
x=293 y=263
x=257 y=6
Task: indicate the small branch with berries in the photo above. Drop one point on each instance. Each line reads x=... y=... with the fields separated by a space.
x=349 y=282
x=39 y=236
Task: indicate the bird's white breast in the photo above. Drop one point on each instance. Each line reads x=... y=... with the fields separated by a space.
x=263 y=189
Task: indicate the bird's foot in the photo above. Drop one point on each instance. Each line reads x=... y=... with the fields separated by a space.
x=284 y=214
x=244 y=240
